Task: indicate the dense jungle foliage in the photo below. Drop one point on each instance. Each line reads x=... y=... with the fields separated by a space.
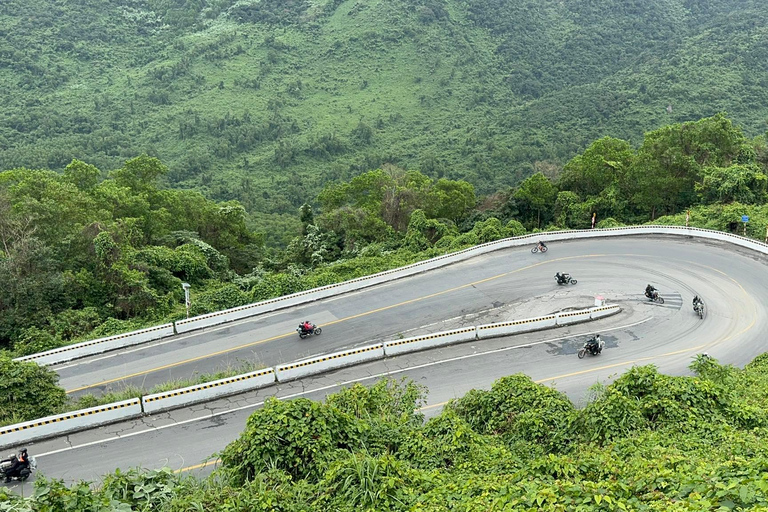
x=267 y=101
x=646 y=442
x=85 y=253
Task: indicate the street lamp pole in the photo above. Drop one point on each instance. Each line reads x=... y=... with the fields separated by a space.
x=186 y=287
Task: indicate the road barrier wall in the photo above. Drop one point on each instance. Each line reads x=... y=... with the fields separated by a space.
x=393 y=348
x=89 y=348
x=602 y=311
x=88 y=418
x=51 y=426
x=516 y=326
x=328 y=362
x=573 y=317
x=208 y=391
x=238 y=313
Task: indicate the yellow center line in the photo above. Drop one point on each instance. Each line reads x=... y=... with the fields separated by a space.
x=625 y=363
x=197 y=466
x=565 y=375
x=253 y=344
x=385 y=308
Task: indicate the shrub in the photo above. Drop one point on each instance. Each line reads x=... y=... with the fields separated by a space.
x=34 y=340
x=296 y=436
x=28 y=390
x=519 y=409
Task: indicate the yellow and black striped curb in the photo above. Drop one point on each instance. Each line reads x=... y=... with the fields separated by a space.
x=208 y=385
x=94 y=342
x=430 y=337
x=330 y=358
x=106 y=408
x=605 y=308
x=517 y=322
x=575 y=313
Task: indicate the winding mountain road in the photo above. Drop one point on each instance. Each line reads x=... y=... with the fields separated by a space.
x=504 y=285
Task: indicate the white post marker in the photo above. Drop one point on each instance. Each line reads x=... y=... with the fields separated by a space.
x=599 y=300
x=186 y=287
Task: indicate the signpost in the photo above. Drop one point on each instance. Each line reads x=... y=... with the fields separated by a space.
x=186 y=287
x=745 y=219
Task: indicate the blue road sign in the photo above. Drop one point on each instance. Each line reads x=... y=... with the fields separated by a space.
x=745 y=218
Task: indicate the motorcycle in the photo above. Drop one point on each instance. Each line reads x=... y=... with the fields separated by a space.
x=303 y=333
x=565 y=279
x=23 y=474
x=699 y=309
x=592 y=347
x=539 y=248
x=655 y=297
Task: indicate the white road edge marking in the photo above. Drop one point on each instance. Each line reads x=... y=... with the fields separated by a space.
x=331 y=386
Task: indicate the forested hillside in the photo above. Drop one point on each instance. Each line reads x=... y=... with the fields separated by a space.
x=265 y=102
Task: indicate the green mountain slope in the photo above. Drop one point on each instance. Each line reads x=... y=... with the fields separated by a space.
x=267 y=101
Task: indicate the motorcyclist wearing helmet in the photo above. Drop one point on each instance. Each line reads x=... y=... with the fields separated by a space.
x=649 y=291
x=595 y=345
x=17 y=464
x=697 y=301
x=306 y=326
x=562 y=277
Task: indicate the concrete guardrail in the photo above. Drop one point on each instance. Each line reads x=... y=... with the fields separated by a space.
x=208 y=391
x=59 y=424
x=438 y=339
x=516 y=326
x=89 y=348
x=322 y=364
x=241 y=312
x=573 y=317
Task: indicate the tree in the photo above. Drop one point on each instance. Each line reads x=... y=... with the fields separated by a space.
x=140 y=174
x=536 y=193
x=604 y=163
x=83 y=176
x=306 y=217
x=736 y=183
x=451 y=200
x=671 y=161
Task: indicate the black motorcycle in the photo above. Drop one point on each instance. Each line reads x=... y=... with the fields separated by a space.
x=655 y=297
x=564 y=279
x=698 y=307
x=303 y=333
x=22 y=475
x=592 y=347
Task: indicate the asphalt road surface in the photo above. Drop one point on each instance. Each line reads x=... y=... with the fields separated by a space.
x=505 y=285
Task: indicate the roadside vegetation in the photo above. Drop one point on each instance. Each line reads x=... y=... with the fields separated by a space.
x=647 y=441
